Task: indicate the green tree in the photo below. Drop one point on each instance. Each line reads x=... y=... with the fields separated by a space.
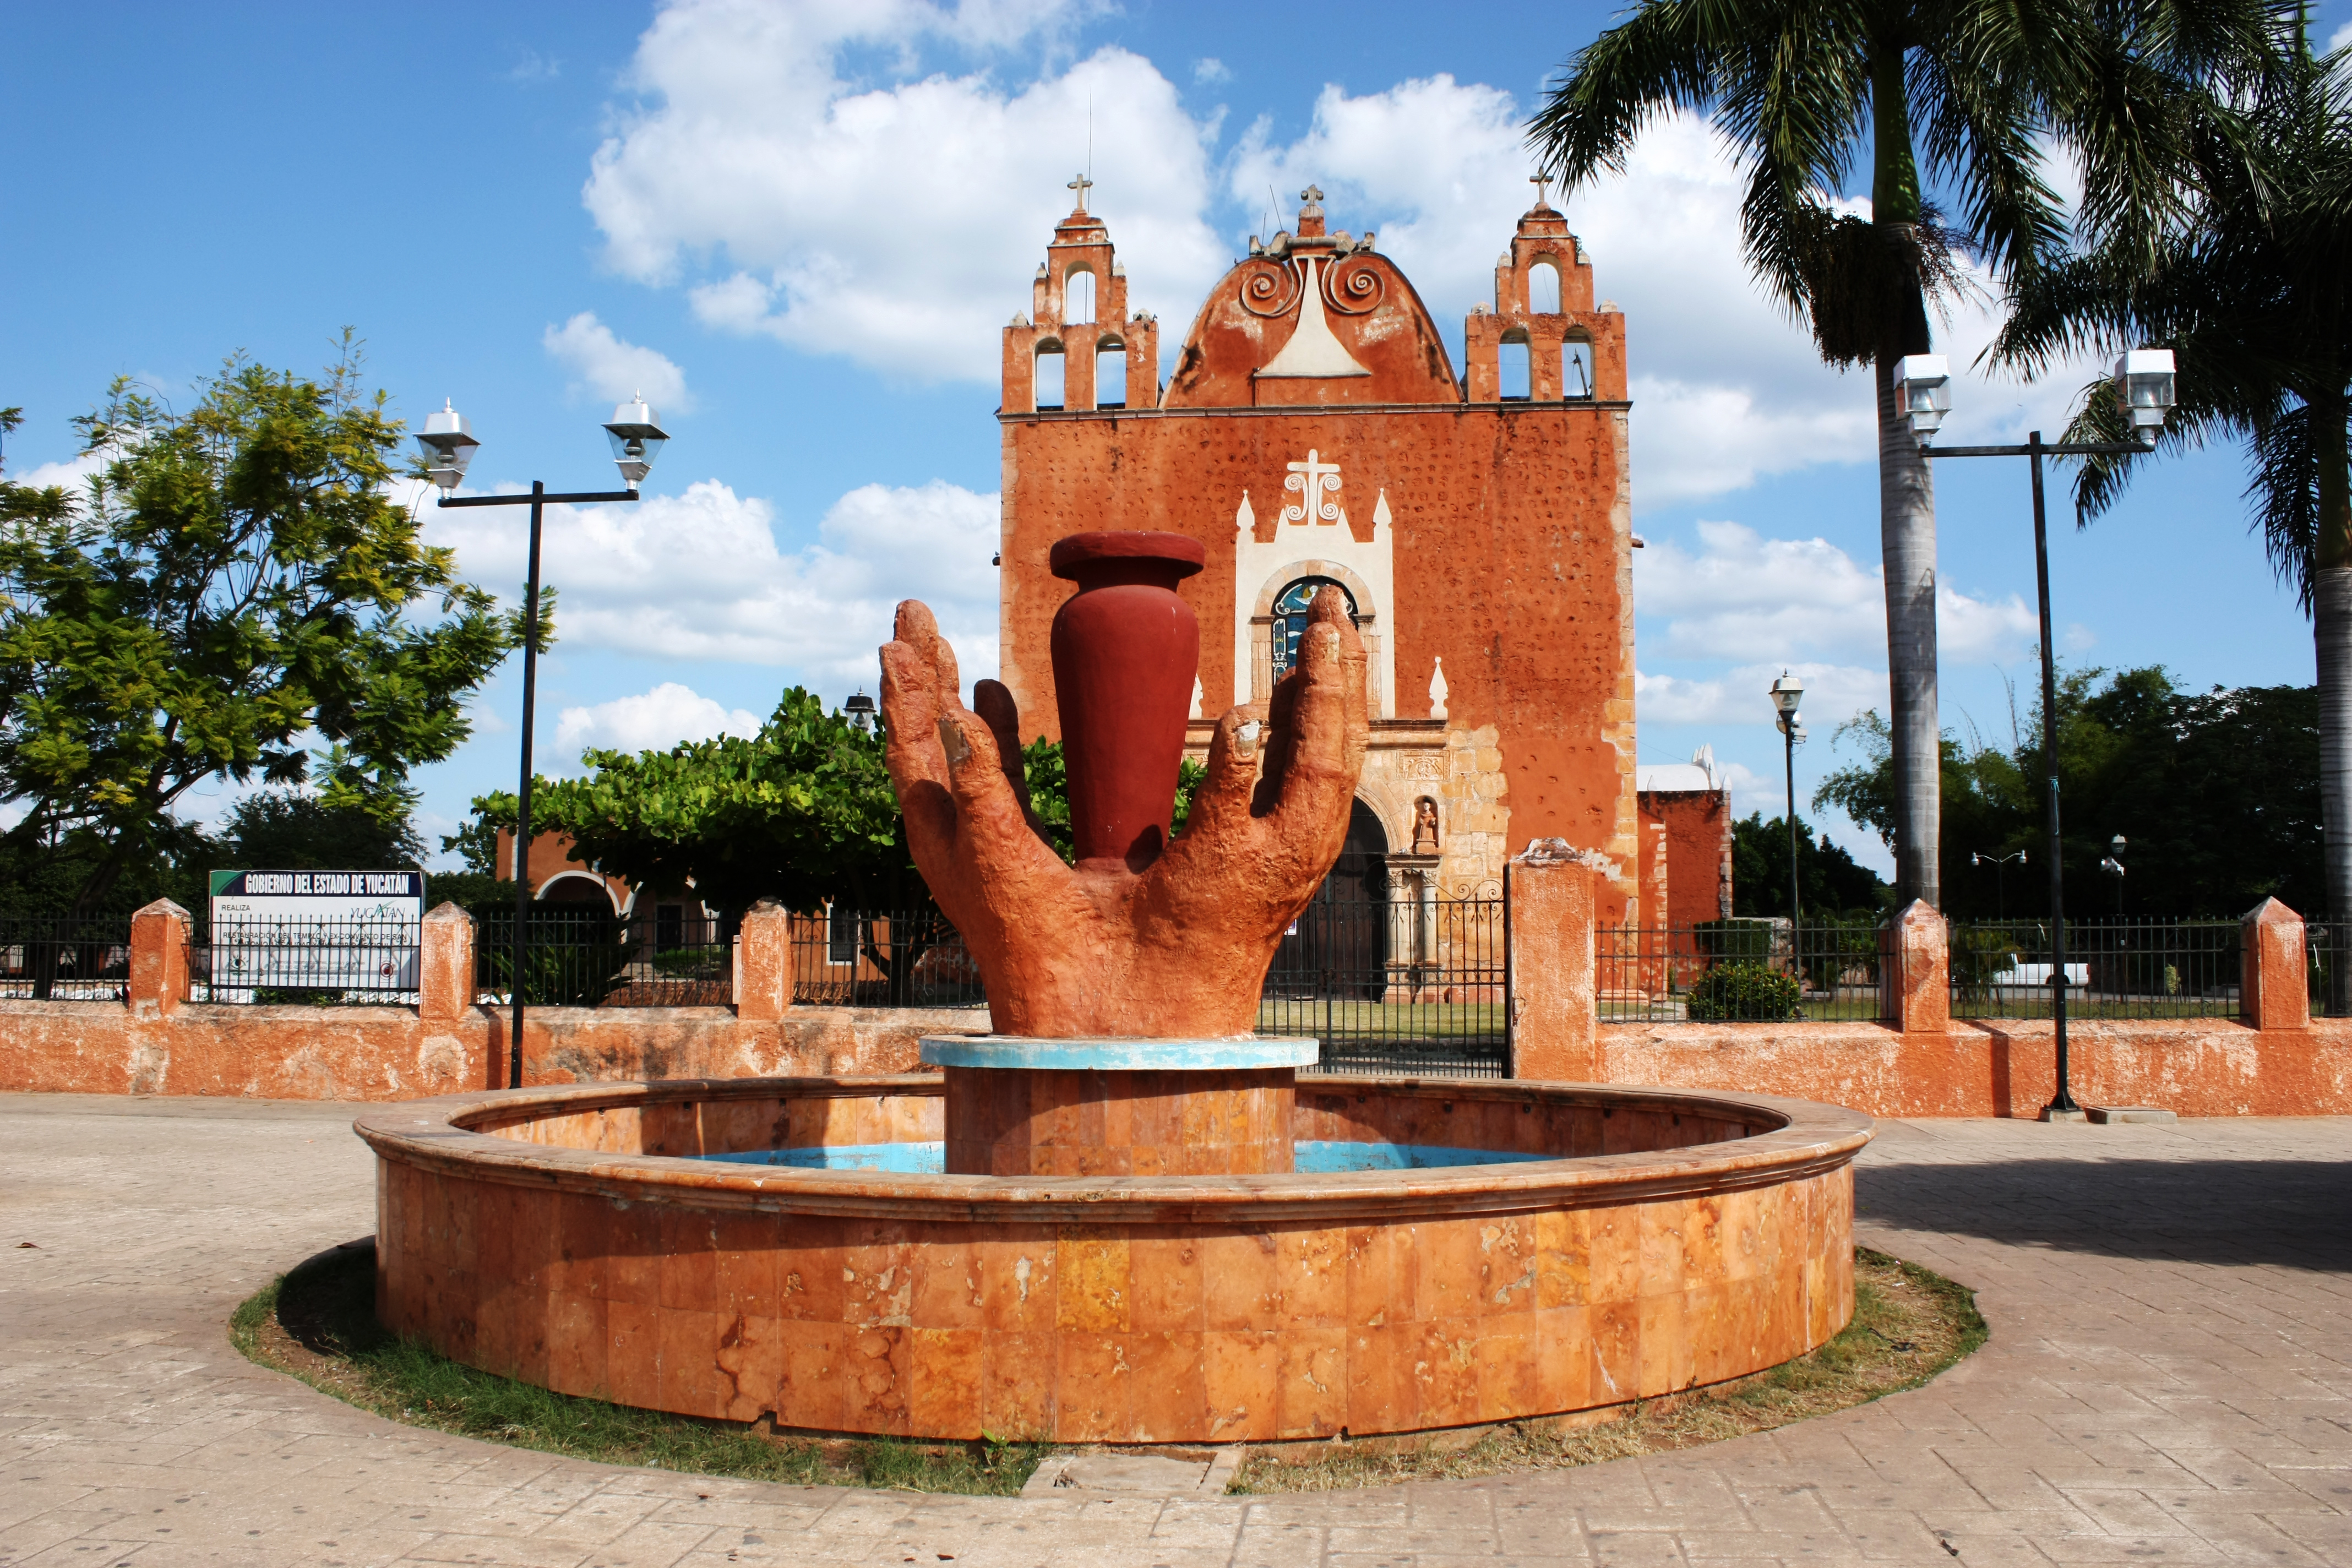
x=2216 y=794
x=1832 y=880
x=2255 y=298
x=1968 y=96
x=282 y=830
x=231 y=580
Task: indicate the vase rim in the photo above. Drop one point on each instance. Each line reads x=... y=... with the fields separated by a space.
x=1181 y=551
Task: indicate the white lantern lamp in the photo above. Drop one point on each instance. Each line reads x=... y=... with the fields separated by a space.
x=2144 y=386
x=637 y=438
x=1787 y=692
x=1923 y=392
x=448 y=443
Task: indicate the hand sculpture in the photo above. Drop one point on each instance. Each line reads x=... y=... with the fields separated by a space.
x=1179 y=948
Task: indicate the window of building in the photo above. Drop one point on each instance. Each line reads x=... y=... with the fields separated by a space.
x=1110 y=374
x=1078 y=296
x=1512 y=363
x=1543 y=289
x=1290 y=607
x=1050 y=361
x=1576 y=370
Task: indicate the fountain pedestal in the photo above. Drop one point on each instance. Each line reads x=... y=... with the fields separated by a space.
x=1020 y=1107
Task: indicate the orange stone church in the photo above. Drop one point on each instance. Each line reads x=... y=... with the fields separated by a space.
x=1314 y=431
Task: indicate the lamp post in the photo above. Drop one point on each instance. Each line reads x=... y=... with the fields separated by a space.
x=2114 y=866
x=2143 y=383
x=449 y=445
x=1787 y=692
x=1999 y=896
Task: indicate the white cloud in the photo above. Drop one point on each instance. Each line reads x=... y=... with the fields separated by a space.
x=651 y=721
x=1211 y=70
x=1833 y=694
x=700 y=575
x=606 y=367
x=897 y=226
x=68 y=475
x=1742 y=594
x=2341 y=37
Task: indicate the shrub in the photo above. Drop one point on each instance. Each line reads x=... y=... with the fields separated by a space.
x=1743 y=993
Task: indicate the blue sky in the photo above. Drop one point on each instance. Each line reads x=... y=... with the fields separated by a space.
x=798 y=228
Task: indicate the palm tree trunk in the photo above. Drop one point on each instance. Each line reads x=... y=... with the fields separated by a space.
x=1907 y=535
x=2331 y=630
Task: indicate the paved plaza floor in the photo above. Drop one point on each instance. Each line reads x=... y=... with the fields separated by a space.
x=2169 y=1381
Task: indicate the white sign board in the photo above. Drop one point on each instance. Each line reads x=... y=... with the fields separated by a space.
x=314 y=930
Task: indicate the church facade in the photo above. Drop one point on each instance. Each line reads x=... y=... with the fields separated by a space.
x=1314 y=430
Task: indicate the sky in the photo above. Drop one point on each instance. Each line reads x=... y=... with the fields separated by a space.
x=797 y=229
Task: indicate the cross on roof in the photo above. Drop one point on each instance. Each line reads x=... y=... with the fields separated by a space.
x=1080 y=184
x=1542 y=182
x=1311 y=194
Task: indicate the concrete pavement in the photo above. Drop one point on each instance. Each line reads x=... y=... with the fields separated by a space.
x=2169 y=1381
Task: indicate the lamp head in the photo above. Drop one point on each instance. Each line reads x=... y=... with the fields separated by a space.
x=2116 y=844
x=447 y=442
x=1923 y=393
x=1787 y=692
x=860 y=710
x=2143 y=386
x=637 y=438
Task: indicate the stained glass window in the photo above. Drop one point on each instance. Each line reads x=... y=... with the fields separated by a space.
x=1290 y=607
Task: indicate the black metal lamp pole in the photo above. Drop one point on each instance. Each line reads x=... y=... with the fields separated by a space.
x=2036 y=449
x=537 y=499
x=450 y=446
x=1789 y=769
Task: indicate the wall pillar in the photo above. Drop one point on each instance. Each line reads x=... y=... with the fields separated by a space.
x=445 y=964
x=158 y=982
x=1551 y=892
x=763 y=963
x=1916 y=970
x=2273 y=988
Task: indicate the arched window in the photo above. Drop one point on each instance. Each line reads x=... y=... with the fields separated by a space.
x=1049 y=374
x=1078 y=296
x=1575 y=369
x=1511 y=362
x=1111 y=373
x=1290 y=607
x=1543 y=289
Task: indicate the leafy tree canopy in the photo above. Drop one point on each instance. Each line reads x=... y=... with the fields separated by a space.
x=1832 y=880
x=803 y=813
x=2216 y=795
x=281 y=830
x=231 y=583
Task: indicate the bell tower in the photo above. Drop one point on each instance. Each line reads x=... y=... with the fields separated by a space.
x=1078 y=311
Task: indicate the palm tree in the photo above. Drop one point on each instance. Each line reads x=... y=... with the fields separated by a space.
x=1971 y=94
x=2255 y=299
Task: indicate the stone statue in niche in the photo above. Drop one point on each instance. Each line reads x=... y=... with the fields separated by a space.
x=1147 y=936
x=1424 y=827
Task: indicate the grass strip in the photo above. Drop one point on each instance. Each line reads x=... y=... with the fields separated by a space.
x=1910 y=1324
x=317 y=1323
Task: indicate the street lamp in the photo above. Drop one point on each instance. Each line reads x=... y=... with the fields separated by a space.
x=449 y=445
x=1787 y=692
x=860 y=710
x=2114 y=866
x=2001 y=896
x=2143 y=383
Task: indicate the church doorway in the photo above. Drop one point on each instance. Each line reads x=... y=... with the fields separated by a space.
x=1290 y=607
x=1338 y=948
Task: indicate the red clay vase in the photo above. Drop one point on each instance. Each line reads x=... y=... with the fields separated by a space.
x=1124 y=652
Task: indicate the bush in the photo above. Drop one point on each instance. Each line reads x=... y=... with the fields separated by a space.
x=1743 y=993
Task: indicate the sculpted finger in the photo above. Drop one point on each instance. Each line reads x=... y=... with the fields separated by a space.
x=992 y=701
x=917 y=627
x=910 y=711
x=1323 y=744
x=992 y=826
x=1220 y=805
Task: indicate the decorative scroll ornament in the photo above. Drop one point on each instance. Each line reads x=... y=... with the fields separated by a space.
x=1312 y=353
x=1353 y=286
x=1271 y=289
x=1317 y=485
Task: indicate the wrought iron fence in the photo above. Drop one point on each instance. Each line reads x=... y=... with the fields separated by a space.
x=1737 y=971
x=2327 y=958
x=583 y=957
x=1406 y=986
x=317 y=963
x=63 y=958
x=2129 y=968
x=864 y=958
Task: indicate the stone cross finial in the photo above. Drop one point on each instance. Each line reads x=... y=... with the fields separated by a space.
x=1311 y=194
x=1542 y=182
x=1080 y=184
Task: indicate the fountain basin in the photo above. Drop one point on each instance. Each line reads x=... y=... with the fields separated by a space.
x=1623 y=1243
